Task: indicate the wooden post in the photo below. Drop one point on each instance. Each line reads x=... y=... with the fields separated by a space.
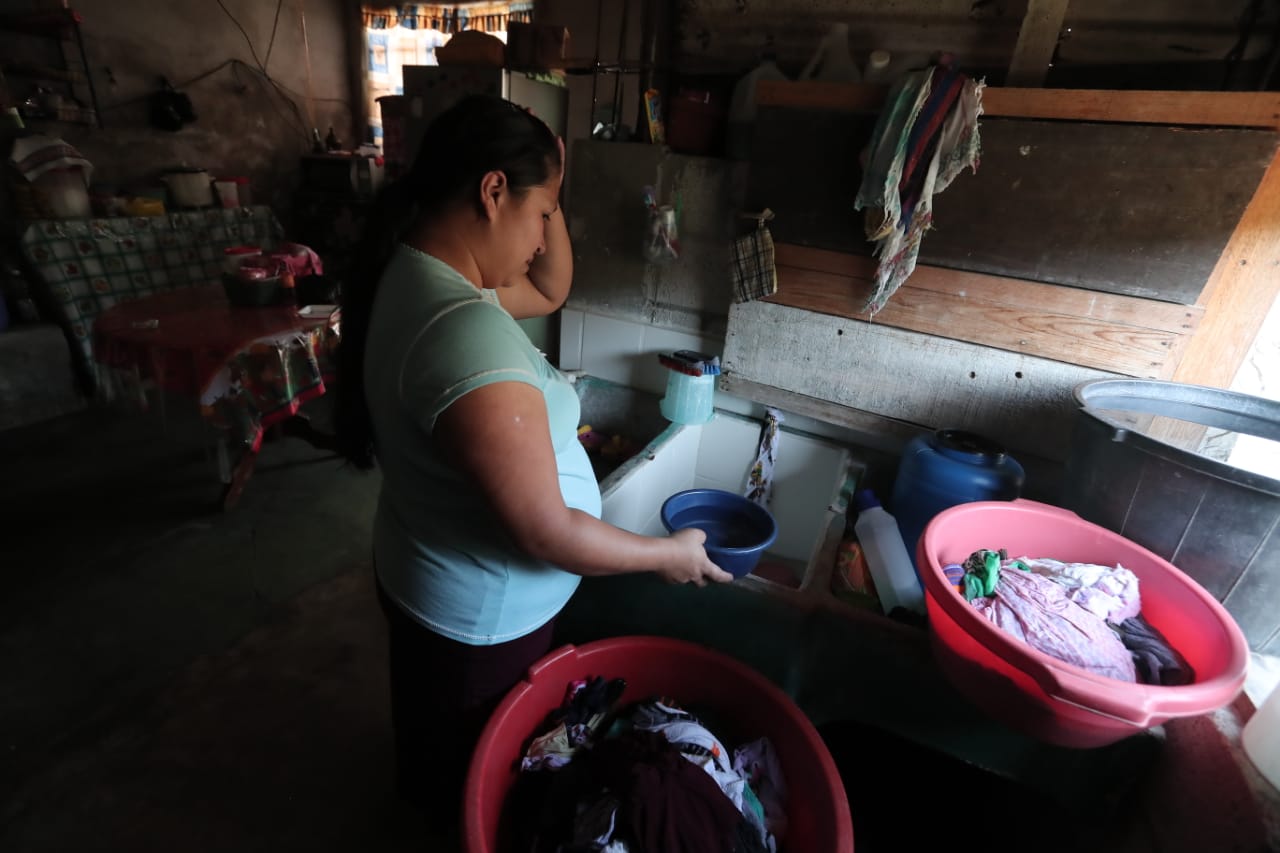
x=1036 y=42
x=1239 y=294
x=1244 y=285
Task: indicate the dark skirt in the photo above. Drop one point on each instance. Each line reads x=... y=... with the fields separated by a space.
x=442 y=693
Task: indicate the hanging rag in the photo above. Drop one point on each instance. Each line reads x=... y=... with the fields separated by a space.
x=884 y=156
x=926 y=135
x=760 y=479
x=752 y=267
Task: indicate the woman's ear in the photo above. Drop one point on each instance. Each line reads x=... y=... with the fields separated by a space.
x=493 y=191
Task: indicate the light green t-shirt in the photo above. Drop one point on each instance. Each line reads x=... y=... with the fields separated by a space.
x=441 y=552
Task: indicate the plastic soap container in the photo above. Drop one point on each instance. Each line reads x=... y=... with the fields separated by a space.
x=691 y=386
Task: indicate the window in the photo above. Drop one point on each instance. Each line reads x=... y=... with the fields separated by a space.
x=408 y=34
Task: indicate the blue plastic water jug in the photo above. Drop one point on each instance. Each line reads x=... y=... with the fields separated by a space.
x=947 y=468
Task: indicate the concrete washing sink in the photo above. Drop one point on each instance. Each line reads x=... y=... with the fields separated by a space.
x=854 y=670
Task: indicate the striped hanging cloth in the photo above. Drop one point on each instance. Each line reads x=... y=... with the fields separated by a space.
x=925 y=136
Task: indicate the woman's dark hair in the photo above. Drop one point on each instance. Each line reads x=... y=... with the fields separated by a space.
x=477 y=135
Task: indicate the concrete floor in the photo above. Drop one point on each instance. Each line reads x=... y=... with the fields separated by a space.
x=178 y=678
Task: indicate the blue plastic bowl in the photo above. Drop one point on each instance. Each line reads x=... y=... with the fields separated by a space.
x=738 y=530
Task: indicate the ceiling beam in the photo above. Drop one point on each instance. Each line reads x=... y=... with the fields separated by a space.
x=1036 y=42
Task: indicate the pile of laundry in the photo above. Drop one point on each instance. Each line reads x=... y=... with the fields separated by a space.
x=646 y=777
x=1080 y=613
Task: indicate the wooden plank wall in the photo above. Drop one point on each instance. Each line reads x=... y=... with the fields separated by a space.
x=990 y=353
x=1121 y=334
x=1135 y=209
x=1244 y=284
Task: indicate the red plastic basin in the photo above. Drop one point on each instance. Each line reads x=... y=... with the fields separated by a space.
x=1040 y=695
x=818 y=810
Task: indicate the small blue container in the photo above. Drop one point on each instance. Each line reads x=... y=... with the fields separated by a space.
x=689 y=399
x=691 y=387
x=947 y=468
x=738 y=530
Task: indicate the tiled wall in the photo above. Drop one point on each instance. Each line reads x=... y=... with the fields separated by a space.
x=626 y=352
x=623 y=351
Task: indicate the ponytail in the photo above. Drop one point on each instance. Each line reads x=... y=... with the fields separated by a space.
x=393 y=210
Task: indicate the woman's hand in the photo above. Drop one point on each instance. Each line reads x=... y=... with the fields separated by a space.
x=690 y=563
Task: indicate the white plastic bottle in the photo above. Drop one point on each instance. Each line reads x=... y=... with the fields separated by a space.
x=1261 y=738
x=877 y=70
x=887 y=558
x=832 y=60
x=742 y=106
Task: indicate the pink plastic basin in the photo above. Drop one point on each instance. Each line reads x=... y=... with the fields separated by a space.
x=1040 y=695
x=817 y=808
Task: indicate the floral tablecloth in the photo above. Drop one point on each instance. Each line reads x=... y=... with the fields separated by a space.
x=89 y=265
x=247 y=367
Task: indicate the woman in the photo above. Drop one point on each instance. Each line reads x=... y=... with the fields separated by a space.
x=489 y=511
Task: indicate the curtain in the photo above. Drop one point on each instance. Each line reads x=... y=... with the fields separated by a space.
x=396 y=35
x=487 y=17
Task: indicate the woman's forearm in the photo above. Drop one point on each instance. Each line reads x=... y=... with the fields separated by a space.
x=552 y=272
x=585 y=545
x=527 y=498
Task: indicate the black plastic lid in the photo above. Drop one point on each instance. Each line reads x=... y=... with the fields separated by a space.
x=969 y=442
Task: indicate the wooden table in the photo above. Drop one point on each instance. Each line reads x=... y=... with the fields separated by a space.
x=247 y=368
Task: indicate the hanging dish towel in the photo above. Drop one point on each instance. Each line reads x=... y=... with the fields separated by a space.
x=760 y=479
x=752 y=266
x=926 y=135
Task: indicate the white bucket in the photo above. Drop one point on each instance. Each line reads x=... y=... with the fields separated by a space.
x=1261 y=738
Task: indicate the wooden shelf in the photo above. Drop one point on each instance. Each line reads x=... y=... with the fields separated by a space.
x=1193 y=109
x=1121 y=334
x=62 y=25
